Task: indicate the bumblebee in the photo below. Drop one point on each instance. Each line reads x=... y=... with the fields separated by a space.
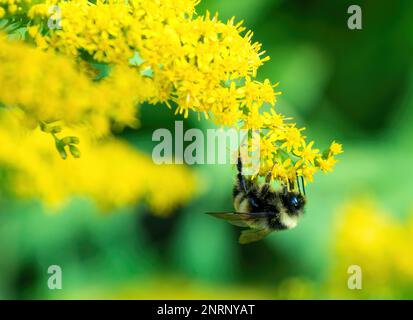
x=261 y=209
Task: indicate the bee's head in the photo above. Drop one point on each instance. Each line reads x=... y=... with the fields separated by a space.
x=293 y=202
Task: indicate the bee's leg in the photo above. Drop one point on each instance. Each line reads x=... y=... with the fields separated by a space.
x=249 y=192
x=266 y=186
x=240 y=176
x=298 y=184
x=268 y=177
x=291 y=185
x=303 y=184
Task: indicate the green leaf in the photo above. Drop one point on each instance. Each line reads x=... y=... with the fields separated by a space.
x=74 y=151
x=61 y=149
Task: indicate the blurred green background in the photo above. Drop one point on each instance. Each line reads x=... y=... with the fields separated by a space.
x=355 y=86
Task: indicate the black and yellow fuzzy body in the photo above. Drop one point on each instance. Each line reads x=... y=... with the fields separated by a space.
x=262 y=209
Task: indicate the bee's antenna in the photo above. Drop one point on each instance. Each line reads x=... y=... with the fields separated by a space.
x=291 y=184
x=303 y=185
x=298 y=184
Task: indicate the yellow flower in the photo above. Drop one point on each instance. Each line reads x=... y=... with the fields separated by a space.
x=274 y=120
x=281 y=169
x=326 y=164
x=307 y=153
x=336 y=148
x=33 y=30
x=308 y=173
x=293 y=138
x=267 y=148
x=254 y=119
x=369 y=237
x=229 y=117
x=256 y=91
x=13 y=7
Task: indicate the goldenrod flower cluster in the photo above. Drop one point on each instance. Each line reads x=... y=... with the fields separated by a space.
x=110 y=172
x=193 y=61
x=285 y=151
x=381 y=246
x=49 y=87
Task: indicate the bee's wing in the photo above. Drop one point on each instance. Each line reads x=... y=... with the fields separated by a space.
x=240 y=219
x=252 y=235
